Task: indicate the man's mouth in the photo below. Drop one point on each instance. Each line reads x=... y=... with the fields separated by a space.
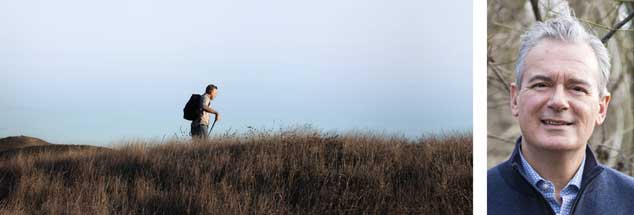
x=555 y=122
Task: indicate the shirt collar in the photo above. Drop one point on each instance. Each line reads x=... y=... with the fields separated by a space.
x=534 y=178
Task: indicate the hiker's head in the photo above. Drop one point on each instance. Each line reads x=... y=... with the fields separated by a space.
x=211 y=90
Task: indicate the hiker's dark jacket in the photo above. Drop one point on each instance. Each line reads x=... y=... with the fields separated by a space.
x=603 y=190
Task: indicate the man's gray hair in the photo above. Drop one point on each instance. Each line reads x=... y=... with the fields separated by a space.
x=564 y=28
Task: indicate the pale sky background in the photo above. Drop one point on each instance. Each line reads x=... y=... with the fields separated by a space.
x=98 y=72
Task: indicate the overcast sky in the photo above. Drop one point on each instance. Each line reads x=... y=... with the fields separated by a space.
x=97 y=72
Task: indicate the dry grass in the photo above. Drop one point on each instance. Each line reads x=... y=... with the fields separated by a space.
x=286 y=172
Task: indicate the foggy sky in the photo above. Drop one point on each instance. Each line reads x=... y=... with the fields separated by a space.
x=97 y=72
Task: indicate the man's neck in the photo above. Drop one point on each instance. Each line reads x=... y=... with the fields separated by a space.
x=556 y=166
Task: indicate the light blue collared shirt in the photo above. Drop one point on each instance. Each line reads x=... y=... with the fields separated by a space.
x=547 y=188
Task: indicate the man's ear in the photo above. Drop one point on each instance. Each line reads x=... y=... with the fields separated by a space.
x=514 y=92
x=604 y=101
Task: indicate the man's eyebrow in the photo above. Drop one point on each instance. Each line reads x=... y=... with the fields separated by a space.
x=577 y=81
x=573 y=81
x=539 y=78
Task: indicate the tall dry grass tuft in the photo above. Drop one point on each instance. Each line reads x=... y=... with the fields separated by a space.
x=286 y=172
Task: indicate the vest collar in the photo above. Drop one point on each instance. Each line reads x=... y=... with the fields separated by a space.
x=513 y=175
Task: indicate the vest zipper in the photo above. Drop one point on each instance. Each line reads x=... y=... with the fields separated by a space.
x=583 y=188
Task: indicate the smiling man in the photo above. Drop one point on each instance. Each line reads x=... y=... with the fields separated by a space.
x=559 y=96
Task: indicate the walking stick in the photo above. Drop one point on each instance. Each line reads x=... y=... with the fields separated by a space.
x=212 y=127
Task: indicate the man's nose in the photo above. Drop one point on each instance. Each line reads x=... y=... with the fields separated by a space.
x=558 y=100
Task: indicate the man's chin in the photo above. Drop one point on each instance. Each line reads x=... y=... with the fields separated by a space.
x=558 y=143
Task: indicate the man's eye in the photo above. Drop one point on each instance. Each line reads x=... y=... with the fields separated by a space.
x=580 y=89
x=538 y=85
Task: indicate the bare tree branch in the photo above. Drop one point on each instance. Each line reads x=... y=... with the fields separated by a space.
x=498 y=138
x=616 y=27
x=496 y=70
x=505 y=26
x=602 y=26
x=502 y=63
x=535 y=5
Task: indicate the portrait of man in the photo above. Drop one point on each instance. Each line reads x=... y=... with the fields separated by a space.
x=558 y=98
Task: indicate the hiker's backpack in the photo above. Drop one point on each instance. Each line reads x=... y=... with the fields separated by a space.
x=194 y=108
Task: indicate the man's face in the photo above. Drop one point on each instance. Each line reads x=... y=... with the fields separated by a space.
x=213 y=93
x=558 y=104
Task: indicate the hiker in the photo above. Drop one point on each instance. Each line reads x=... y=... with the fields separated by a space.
x=559 y=97
x=201 y=124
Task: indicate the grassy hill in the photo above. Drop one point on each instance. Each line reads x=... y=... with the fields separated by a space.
x=286 y=172
x=10 y=143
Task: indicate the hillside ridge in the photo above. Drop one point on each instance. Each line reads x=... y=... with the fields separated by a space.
x=21 y=141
